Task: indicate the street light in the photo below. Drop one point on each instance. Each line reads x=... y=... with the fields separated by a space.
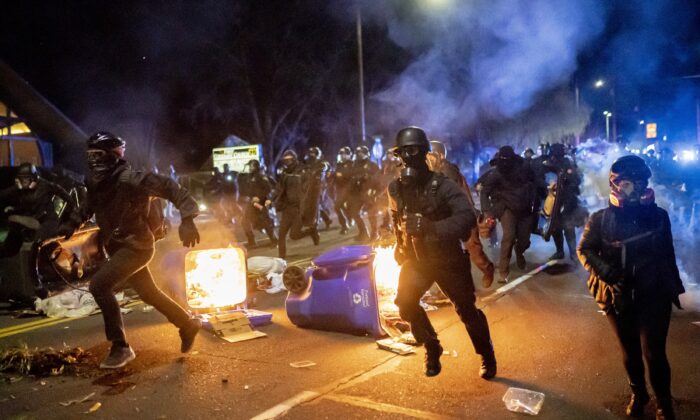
x=607 y=114
x=599 y=84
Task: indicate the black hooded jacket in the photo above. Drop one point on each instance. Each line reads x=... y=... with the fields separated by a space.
x=121 y=204
x=633 y=247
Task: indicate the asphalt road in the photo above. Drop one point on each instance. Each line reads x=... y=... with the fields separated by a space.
x=547 y=333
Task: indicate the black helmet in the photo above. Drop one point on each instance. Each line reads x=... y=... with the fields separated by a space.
x=26 y=176
x=254 y=165
x=104 y=140
x=412 y=136
x=345 y=150
x=315 y=151
x=629 y=167
x=290 y=154
x=557 y=150
x=362 y=152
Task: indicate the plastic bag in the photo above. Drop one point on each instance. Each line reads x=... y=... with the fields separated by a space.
x=520 y=400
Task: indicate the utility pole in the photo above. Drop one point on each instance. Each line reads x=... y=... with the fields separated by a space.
x=361 y=73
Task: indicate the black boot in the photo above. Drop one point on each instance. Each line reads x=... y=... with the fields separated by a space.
x=432 y=359
x=638 y=401
x=488 y=366
x=664 y=409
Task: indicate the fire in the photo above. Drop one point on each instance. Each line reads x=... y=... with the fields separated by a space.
x=386 y=277
x=215 y=278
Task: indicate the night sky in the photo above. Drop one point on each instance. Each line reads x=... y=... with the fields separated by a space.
x=175 y=77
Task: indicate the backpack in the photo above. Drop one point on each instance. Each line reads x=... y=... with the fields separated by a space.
x=156 y=218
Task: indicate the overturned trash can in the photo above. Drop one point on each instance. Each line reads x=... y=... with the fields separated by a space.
x=338 y=292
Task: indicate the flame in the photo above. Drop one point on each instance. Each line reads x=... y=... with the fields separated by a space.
x=386 y=277
x=215 y=278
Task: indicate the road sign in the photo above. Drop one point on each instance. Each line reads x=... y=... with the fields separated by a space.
x=236 y=156
x=651 y=130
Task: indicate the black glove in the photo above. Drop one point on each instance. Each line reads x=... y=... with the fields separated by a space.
x=188 y=232
x=417 y=225
x=65 y=230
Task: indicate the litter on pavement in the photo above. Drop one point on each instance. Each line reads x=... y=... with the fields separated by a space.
x=77 y=401
x=394 y=346
x=45 y=362
x=233 y=327
x=520 y=400
x=302 y=364
x=268 y=271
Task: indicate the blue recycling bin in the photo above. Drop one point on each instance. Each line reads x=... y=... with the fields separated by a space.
x=337 y=293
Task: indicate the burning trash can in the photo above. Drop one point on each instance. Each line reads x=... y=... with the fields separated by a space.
x=343 y=290
x=215 y=279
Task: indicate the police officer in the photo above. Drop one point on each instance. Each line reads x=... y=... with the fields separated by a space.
x=288 y=198
x=229 y=195
x=364 y=187
x=340 y=184
x=315 y=172
x=570 y=214
x=628 y=250
x=255 y=193
x=437 y=161
x=33 y=197
x=119 y=198
x=508 y=193
x=431 y=217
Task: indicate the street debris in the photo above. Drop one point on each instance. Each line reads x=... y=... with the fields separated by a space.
x=147 y=308
x=452 y=353
x=78 y=401
x=74 y=303
x=44 y=362
x=224 y=380
x=267 y=273
x=94 y=408
x=233 y=327
x=520 y=400
x=395 y=346
x=302 y=364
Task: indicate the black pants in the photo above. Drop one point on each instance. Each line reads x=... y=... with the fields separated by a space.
x=341 y=209
x=456 y=282
x=641 y=330
x=258 y=219
x=291 y=223
x=570 y=234
x=516 y=234
x=130 y=265
x=355 y=207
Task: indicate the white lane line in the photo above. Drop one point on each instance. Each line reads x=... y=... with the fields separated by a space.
x=383 y=407
x=515 y=283
x=281 y=408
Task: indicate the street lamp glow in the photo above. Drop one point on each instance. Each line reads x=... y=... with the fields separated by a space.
x=607 y=113
x=641 y=122
x=599 y=83
x=437 y=4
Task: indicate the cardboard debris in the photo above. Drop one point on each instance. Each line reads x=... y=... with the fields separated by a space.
x=78 y=401
x=234 y=327
x=389 y=344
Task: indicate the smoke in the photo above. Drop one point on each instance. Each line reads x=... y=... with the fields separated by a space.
x=482 y=59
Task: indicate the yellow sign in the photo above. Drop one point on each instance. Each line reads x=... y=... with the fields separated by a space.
x=651 y=130
x=236 y=157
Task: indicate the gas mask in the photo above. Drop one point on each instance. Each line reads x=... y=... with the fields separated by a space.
x=626 y=193
x=344 y=157
x=412 y=157
x=25 y=182
x=101 y=163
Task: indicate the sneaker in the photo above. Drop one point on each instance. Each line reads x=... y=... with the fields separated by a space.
x=559 y=255
x=188 y=334
x=118 y=357
x=315 y=236
x=487 y=279
x=488 y=367
x=502 y=277
x=520 y=261
x=432 y=361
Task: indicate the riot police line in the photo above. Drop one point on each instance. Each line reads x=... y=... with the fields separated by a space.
x=627 y=247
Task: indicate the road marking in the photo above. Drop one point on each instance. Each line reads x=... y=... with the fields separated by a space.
x=515 y=283
x=281 y=408
x=34 y=325
x=383 y=407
